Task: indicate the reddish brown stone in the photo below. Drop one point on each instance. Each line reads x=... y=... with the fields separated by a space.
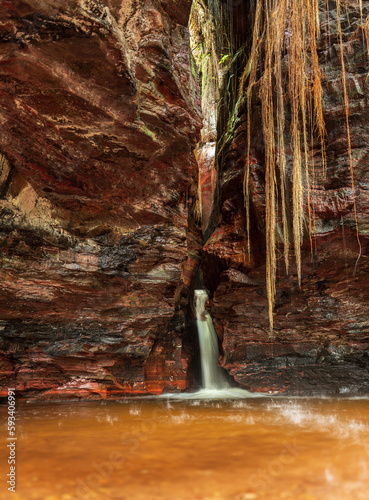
x=320 y=339
x=99 y=120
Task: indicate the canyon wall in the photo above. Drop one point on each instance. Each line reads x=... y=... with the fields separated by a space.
x=320 y=340
x=99 y=117
x=115 y=189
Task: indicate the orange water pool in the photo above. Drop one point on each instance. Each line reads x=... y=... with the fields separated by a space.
x=291 y=449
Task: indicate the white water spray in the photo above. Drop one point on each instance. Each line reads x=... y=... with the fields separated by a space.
x=213 y=376
x=214 y=379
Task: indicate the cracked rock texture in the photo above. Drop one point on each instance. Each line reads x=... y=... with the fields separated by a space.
x=320 y=343
x=98 y=121
x=100 y=237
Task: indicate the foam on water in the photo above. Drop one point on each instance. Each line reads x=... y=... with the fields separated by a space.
x=214 y=377
x=213 y=394
x=135 y=410
x=181 y=418
x=300 y=415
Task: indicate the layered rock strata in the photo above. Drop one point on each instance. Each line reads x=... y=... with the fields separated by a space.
x=100 y=237
x=320 y=342
x=99 y=117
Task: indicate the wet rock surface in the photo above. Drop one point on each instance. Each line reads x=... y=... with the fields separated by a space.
x=99 y=118
x=100 y=237
x=321 y=330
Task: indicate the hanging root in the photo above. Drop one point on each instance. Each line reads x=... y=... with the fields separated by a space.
x=346 y=104
x=251 y=71
x=286 y=33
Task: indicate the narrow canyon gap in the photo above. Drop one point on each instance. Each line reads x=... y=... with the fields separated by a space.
x=117 y=189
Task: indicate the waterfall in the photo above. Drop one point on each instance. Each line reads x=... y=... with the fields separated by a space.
x=215 y=383
x=213 y=376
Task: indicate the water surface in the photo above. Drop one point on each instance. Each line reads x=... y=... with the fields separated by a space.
x=158 y=449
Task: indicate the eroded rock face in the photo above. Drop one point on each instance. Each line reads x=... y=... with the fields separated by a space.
x=100 y=237
x=320 y=342
x=98 y=122
x=80 y=316
x=97 y=105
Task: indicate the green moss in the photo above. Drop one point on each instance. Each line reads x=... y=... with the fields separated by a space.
x=224 y=59
x=193 y=67
x=148 y=132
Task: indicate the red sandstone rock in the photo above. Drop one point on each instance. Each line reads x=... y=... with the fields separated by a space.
x=97 y=104
x=99 y=117
x=98 y=120
x=167 y=368
x=320 y=340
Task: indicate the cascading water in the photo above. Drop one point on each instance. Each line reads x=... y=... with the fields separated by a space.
x=215 y=383
x=213 y=376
